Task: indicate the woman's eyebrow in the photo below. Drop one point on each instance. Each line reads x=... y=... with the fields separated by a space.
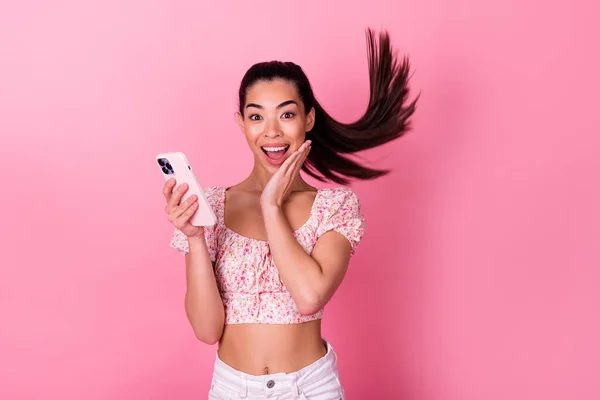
x=285 y=103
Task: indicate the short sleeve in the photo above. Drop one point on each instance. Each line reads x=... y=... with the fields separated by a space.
x=342 y=213
x=179 y=240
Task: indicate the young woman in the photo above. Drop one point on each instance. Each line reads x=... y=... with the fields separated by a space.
x=258 y=281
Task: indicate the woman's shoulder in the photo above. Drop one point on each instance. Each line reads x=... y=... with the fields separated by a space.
x=339 y=210
x=214 y=191
x=338 y=194
x=338 y=201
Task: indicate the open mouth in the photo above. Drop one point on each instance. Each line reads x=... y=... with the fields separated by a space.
x=275 y=152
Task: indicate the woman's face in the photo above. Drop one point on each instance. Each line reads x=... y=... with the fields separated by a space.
x=274 y=122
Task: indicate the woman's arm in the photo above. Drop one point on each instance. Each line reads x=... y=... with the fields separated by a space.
x=203 y=304
x=311 y=279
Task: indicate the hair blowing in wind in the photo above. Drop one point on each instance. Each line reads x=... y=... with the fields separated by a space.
x=386 y=117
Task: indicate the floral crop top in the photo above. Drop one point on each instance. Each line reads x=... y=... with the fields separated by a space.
x=247 y=277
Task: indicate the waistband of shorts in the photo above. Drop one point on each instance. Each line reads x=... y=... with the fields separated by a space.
x=325 y=364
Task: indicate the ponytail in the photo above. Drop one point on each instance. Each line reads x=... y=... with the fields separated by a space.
x=385 y=119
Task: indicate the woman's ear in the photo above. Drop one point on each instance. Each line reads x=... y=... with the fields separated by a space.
x=310 y=120
x=240 y=120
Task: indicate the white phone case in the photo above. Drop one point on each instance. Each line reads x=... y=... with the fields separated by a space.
x=176 y=165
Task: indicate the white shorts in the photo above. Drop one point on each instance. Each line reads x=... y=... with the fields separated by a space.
x=318 y=381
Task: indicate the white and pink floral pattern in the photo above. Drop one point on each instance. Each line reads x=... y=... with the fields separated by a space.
x=248 y=280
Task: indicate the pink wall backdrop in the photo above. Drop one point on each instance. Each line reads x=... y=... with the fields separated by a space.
x=478 y=278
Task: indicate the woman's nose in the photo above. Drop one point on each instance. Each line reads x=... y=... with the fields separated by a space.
x=272 y=130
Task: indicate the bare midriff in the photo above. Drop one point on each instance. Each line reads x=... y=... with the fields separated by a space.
x=260 y=349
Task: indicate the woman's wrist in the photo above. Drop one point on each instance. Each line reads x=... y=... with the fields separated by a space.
x=196 y=242
x=270 y=209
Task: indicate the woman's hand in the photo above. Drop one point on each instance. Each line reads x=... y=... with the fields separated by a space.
x=179 y=214
x=280 y=184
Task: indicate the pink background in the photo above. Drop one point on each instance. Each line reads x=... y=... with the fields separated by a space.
x=478 y=278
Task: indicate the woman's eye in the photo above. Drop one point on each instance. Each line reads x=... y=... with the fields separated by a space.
x=288 y=115
x=254 y=117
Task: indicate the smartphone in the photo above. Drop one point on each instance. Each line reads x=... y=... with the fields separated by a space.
x=176 y=165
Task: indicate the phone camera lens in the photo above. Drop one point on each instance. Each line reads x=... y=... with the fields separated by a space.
x=169 y=166
x=161 y=162
x=165 y=170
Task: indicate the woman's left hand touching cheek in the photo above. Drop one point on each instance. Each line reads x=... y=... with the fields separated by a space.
x=280 y=184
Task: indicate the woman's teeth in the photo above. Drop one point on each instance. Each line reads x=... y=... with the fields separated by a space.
x=275 y=153
x=274 y=148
